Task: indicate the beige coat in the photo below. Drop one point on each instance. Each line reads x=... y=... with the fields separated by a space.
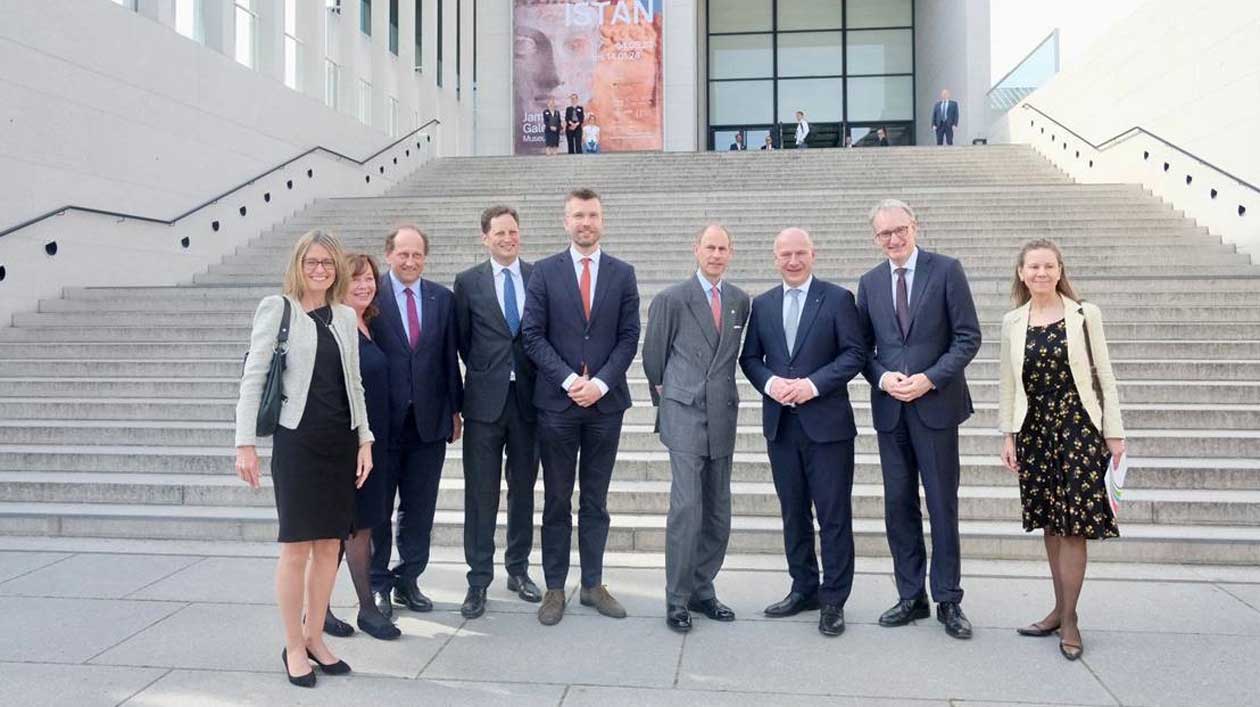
x=299 y=364
x=1013 y=405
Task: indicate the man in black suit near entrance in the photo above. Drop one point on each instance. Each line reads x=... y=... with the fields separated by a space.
x=945 y=119
x=581 y=330
x=574 y=117
x=498 y=410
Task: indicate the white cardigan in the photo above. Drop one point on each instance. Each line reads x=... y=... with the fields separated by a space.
x=299 y=365
x=1013 y=405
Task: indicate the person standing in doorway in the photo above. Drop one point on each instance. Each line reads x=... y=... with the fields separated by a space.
x=574 y=117
x=802 y=130
x=945 y=119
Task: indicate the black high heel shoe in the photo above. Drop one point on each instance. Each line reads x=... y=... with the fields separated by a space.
x=307 y=680
x=338 y=668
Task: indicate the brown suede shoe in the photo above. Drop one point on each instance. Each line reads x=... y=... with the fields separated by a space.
x=603 y=602
x=552 y=609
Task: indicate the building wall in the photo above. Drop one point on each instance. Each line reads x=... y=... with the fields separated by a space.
x=951 y=51
x=1187 y=75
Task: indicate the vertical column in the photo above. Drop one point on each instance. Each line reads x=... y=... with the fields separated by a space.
x=269 y=40
x=311 y=22
x=680 y=72
x=493 y=119
x=220 y=26
x=161 y=11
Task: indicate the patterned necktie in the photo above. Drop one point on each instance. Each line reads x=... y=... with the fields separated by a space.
x=715 y=304
x=413 y=319
x=585 y=286
x=510 y=311
x=792 y=318
x=903 y=302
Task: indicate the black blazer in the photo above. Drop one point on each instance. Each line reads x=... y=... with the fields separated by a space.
x=574 y=114
x=427 y=378
x=488 y=348
x=944 y=336
x=560 y=340
x=829 y=350
x=551 y=120
x=951 y=114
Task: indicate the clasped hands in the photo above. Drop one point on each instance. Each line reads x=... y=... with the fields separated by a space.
x=584 y=392
x=905 y=388
x=792 y=391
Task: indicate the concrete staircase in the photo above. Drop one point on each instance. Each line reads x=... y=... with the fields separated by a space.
x=116 y=403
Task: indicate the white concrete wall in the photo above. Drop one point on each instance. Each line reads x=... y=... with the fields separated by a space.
x=1019 y=25
x=680 y=71
x=493 y=132
x=951 y=51
x=1189 y=76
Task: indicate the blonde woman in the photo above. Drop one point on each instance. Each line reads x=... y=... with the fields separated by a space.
x=1059 y=433
x=322 y=449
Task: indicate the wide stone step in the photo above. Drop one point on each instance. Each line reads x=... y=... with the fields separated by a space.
x=1233 y=545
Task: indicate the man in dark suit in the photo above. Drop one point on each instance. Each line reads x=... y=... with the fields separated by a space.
x=498 y=410
x=921 y=328
x=804 y=344
x=689 y=358
x=574 y=117
x=738 y=145
x=581 y=330
x=945 y=119
x=417 y=333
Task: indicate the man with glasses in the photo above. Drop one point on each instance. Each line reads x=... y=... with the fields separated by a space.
x=416 y=330
x=921 y=330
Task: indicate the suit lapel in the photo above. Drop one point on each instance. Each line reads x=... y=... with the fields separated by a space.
x=389 y=308
x=1019 y=336
x=698 y=303
x=776 y=313
x=922 y=271
x=813 y=302
x=606 y=271
x=428 y=313
x=571 y=285
x=487 y=277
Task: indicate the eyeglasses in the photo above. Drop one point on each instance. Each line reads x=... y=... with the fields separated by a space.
x=899 y=232
x=312 y=264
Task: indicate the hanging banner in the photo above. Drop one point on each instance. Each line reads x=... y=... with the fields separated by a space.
x=608 y=52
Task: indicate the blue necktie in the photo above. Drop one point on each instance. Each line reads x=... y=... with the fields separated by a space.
x=793 y=318
x=510 y=311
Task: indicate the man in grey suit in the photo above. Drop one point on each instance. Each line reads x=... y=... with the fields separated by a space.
x=689 y=357
x=499 y=413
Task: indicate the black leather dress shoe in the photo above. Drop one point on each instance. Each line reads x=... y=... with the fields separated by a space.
x=712 y=608
x=377 y=626
x=524 y=588
x=409 y=595
x=677 y=618
x=474 y=603
x=831 y=620
x=383 y=604
x=905 y=611
x=334 y=626
x=956 y=623
x=792 y=605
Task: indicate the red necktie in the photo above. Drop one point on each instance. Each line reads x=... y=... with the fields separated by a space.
x=715 y=303
x=585 y=286
x=413 y=319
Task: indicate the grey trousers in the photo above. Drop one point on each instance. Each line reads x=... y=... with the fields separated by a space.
x=699 y=525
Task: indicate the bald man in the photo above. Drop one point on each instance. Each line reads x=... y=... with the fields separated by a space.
x=804 y=344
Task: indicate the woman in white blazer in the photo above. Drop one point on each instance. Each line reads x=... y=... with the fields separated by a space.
x=322 y=449
x=1060 y=418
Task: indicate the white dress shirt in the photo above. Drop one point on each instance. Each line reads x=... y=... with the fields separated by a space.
x=513 y=272
x=802 y=131
x=911 y=265
x=577 y=271
x=708 y=287
x=787 y=304
x=400 y=297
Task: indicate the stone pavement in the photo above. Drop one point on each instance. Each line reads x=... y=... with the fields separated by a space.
x=98 y=622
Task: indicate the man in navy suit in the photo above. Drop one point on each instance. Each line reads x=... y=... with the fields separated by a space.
x=581 y=329
x=804 y=344
x=417 y=332
x=945 y=119
x=920 y=323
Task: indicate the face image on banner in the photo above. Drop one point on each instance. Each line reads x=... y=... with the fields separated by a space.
x=608 y=52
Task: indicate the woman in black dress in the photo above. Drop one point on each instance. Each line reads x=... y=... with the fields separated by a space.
x=322 y=448
x=373 y=500
x=551 y=128
x=1060 y=416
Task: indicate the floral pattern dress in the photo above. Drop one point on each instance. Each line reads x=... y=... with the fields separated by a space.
x=1062 y=456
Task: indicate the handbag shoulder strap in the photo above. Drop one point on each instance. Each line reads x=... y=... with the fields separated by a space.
x=1089 y=347
x=282 y=336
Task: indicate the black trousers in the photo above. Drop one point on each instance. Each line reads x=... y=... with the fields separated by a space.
x=945 y=134
x=484 y=446
x=910 y=452
x=818 y=473
x=576 y=445
x=417 y=469
x=575 y=141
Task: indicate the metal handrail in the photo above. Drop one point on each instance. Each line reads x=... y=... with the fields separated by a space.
x=238 y=187
x=1106 y=144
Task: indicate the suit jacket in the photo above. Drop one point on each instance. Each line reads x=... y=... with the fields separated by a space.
x=951 y=113
x=488 y=348
x=736 y=147
x=694 y=364
x=574 y=114
x=1013 y=405
x=944 y=336
x=560 y=340
x=427 y=378
x=829 y=350
x=551 y=120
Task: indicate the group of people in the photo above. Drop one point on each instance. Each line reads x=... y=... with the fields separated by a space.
x=944 y=120
x=579 y=128
x=374 y=394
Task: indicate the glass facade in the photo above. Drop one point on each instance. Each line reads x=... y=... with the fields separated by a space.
x=848 y=64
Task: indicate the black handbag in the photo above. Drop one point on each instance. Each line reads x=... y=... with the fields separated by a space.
x=272 y=397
